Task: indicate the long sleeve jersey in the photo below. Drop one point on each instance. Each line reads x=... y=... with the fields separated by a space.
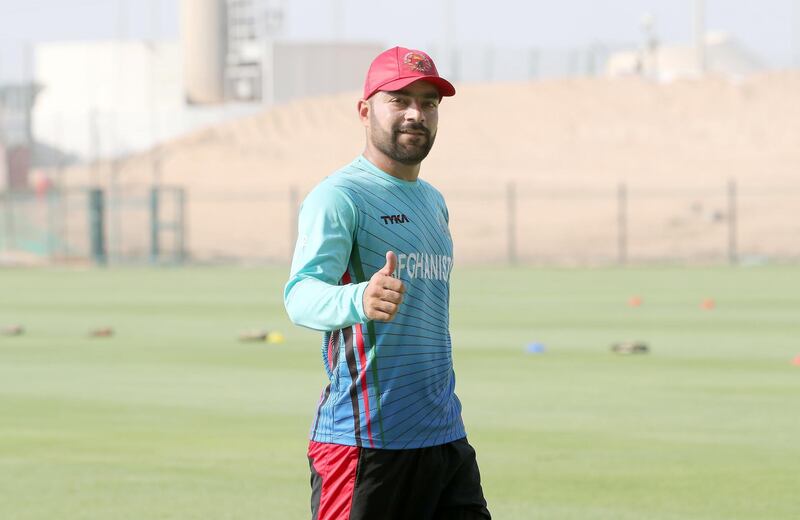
x=391 y=384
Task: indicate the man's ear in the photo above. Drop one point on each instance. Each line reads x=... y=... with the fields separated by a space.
x=363 y=111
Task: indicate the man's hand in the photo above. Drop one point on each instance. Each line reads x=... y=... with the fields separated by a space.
x=384 y=294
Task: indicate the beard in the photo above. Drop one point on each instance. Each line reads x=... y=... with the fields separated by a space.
x=411 y=153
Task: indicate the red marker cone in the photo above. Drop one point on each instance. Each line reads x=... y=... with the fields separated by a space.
x=708 y=304
x=635 y=301
x=796 y=361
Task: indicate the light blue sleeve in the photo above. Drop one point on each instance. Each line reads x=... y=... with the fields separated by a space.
x=313 y=296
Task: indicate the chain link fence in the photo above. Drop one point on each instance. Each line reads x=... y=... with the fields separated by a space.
x=127 y=224
x=52 y=226
x=625 y=224
x=513 y=223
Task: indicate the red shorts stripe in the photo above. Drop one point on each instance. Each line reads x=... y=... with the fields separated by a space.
x=335 y=465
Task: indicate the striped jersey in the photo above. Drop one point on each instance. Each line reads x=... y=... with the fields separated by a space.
x=391 y=384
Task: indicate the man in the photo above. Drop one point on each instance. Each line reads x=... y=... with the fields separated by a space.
x=372 y=270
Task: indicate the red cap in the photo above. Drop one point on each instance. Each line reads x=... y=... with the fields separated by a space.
x=398 y=67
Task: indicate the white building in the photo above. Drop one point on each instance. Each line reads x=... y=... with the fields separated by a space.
x=109 y=98
x=101 y=99
x=722 y=54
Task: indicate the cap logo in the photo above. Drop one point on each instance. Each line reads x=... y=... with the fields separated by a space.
x=417 y=62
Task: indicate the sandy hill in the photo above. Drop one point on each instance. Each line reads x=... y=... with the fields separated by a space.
x=565 y=144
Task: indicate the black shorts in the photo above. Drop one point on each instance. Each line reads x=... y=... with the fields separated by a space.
x=436 y=483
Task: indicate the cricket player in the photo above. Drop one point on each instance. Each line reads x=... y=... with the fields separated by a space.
x=371 y=270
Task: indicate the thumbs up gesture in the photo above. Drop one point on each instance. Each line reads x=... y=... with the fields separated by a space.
x=384 y=294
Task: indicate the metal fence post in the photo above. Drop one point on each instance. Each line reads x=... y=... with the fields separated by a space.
x=64 y=231
x=511 y=223
x=10 y=241
x=155 y=246
x=622 y=223
x=180 y=224
x=733 y=253
x=51 y=223
x=96 y=226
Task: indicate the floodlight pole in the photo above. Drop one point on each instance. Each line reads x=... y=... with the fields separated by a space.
x=338 y=20
x=700 y=35
x=796 y=34
x=272 y=27
x=155 y=148
x=449 y=30
x=650 y=52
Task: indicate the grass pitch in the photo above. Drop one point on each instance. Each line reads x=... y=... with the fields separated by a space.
x=173 y=418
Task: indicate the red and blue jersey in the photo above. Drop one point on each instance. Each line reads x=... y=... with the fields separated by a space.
x=391 y=384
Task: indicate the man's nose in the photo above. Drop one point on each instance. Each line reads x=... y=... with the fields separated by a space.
x=414 y=112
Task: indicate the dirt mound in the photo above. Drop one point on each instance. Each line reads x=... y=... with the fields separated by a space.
x=566 y=145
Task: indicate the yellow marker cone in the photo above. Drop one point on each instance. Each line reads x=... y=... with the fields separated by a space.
x=275 y=337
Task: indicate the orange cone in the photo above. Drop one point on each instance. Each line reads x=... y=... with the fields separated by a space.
x=796 y=361
x=708 y=304
x=635 y=301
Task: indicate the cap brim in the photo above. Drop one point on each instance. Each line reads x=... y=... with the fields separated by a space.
x=445 y=88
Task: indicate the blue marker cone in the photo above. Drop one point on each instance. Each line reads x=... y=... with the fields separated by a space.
x=535 y=348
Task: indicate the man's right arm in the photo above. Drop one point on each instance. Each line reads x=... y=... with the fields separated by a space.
x=313 y=296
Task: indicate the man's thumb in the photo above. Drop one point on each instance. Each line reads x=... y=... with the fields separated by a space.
x=391 y=264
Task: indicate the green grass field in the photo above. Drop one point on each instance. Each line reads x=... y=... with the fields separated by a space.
x=173 y=418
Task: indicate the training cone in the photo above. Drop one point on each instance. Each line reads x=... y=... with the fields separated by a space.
x=275 y=337
x=635 y=301
x=535 y=348
x=796 y=361
x=708 y=304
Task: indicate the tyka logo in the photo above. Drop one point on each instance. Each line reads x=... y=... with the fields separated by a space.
x=395 y=219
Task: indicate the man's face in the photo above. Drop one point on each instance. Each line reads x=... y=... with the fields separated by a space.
x=402 y=123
